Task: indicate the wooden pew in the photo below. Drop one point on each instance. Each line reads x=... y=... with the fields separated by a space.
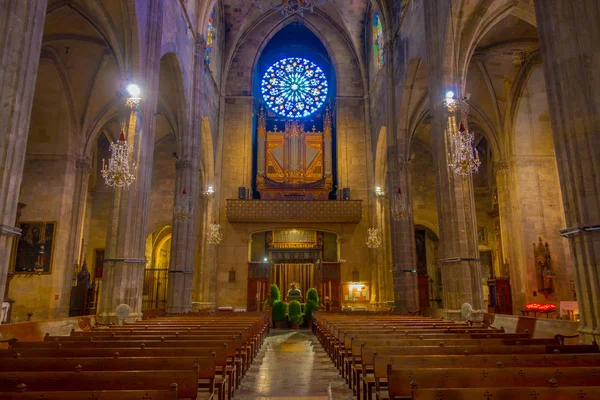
x=170 y=394
x=373 y=362
x=530 y=393
x=124 y=364
x=402 y=380
x=187 y=381
x=352 y=361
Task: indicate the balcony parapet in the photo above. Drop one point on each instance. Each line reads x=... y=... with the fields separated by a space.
x=314 y=211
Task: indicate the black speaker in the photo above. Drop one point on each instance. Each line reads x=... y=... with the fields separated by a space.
x=346 y=193
x=242 y=193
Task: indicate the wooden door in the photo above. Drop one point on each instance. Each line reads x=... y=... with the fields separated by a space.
x=258 y=285
x=423 y=284
x=332 y=285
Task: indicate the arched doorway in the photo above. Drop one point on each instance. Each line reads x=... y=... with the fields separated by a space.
x=308 y=258
x=156 y=273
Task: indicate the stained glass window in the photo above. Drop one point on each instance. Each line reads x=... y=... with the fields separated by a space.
x=378 y=40
x=210 y=37
x=294 y=87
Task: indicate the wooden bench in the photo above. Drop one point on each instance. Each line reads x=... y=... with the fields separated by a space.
x=402 y=380
x=187 y=381
x=170 y=394
x=529 y=393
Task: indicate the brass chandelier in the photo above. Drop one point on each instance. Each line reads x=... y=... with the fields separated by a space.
x=118 y=172
x=373 y=238
x=290 y=7
x=463 y=156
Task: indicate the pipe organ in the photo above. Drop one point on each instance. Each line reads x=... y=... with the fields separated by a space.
x=294 y=164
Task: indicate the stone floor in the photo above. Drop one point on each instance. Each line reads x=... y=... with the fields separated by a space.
x=292 y=365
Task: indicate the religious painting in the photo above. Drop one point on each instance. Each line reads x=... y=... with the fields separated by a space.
x=34 y=248
x=482 y=235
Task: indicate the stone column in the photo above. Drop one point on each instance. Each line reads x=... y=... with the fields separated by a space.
x=461 y=269
x=402 y=232
x=568 y=32
x=125 y=260
x=82 y=179
x=21 y=31
x=185 y=231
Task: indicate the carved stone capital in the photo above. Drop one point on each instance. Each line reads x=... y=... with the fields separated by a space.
x=201 y=43
x=183 y=164
x=83 y=164
x=501 y=166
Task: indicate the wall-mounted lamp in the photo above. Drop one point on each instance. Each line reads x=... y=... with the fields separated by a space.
x=210 y=191
x=379 y=192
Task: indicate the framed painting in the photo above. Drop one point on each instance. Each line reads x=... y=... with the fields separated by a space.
x=34 y=249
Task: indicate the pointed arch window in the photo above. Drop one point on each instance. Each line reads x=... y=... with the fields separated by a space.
x=377 y=28
x=210 y=36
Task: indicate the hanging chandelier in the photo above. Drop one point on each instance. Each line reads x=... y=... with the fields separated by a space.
x=118 y=172
x=463 y=156
x=183 y=209
x=290 y=7
x=399 y=206
x=373 y=238
x=214 y=234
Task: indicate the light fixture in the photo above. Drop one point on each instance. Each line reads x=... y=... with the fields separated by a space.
x=118 y=172
x=210 y=191
x=373 y=238
x=183 y=209
x=214 y=234
x=265 y=260
x=131 y=93
x=399 y=206
x=463 y=156
x=290 y=7
x=379 y=192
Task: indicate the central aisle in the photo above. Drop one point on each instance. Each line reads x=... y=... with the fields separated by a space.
x=292 y=364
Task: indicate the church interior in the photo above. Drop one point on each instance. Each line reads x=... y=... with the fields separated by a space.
x=241 y=189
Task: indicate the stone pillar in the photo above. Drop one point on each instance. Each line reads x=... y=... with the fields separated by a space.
x=21 y=31
x=82 y=179
x=185 y=231
x=183 y=242
x=125 y=260
x=568 y=32
x=402 y=232
x=461 y=269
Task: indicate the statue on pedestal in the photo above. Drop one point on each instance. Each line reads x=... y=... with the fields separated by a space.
x=294 y=293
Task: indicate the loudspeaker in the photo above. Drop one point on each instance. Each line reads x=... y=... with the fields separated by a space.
x=241 y=193
x=346 y=193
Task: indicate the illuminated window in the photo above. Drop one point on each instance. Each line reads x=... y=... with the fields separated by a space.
x=210 y=37
x=294 y=87
x=378 y=40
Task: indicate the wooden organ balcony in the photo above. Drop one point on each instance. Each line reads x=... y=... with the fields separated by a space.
x=315 y=211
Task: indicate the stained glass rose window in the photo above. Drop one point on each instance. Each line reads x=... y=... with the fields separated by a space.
x=294 y=87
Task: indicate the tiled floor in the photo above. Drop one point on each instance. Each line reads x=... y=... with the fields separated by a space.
x=292 y=365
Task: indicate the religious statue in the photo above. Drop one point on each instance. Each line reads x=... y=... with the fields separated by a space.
x=294 y=293
x=543 y=262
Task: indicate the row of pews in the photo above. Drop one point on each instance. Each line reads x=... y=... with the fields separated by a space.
x=196 y=356
x=402 y=357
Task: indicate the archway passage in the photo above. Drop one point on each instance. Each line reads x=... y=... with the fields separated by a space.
x=305 y=258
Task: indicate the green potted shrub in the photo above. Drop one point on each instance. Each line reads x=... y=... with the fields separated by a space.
x=275 y=294
x=309 y=308
x=279 y=311
x=312 y=294
x=295 y=314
